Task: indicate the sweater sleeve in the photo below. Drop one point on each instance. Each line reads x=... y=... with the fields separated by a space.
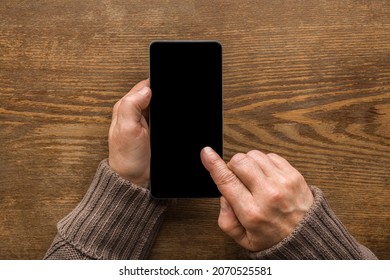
x=320 y=235
x=114 y=220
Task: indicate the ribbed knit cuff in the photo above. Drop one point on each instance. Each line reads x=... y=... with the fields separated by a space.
x=115 y=219
x=320 y=235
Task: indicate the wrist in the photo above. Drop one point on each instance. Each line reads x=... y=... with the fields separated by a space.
x=137 y=176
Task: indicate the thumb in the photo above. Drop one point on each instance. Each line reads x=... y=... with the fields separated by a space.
x=134 y=103
x=119 y=106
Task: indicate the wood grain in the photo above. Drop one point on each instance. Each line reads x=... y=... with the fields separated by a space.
x=309 y=80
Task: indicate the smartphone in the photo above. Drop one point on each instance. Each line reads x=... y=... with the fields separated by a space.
x=185 y=115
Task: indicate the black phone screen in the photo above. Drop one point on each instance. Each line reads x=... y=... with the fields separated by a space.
x=185 y=115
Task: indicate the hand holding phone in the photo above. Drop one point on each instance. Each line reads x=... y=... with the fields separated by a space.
x=128 y=138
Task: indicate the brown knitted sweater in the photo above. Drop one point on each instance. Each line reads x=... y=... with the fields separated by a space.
x=118 y=220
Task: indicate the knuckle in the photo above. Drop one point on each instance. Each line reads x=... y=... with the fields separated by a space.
x=294 y=180
x=238 y=159
x=127 y=128
x=284 y=182
x=273 y=155
x=254 y=153
x=275 y=196
x=127 y=99
x=123 y=104
x=225 y=225
x=297 y=178
x=131 y=102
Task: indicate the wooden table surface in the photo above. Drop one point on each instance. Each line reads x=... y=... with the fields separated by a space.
x=309 y=80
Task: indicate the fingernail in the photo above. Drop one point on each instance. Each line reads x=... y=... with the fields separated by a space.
x=144 y=91
x=208 y=150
